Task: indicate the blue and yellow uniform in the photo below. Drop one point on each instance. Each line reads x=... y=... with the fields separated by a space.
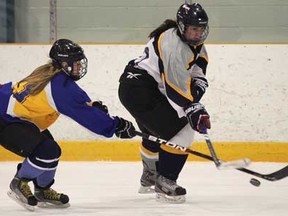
x=29 y=107
x=60 y=96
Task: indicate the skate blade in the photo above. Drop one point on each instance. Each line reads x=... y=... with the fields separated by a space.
x=52 y=206
x=164 y=198
x=16 y=198
x=146 y=190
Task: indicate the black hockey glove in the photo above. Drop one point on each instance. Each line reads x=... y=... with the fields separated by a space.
x=199 y=85
x=124 y=129
x=100 y=106
x=198 y=117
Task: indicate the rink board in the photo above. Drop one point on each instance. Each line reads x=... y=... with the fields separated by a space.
x=129 y=151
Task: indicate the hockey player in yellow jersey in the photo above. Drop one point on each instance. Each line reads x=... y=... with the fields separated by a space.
x=162 y=91
x=30 y=106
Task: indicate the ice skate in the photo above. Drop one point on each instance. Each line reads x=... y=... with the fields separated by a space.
x=49 y=198
x=147 y=181
x=168 y=191
x=148 y=178
x=21 y=193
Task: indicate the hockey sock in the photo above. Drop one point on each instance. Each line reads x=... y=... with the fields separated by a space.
x=28 y=171
x=170 y=164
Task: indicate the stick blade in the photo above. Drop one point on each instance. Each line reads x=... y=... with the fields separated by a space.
x=278 y=175
x=235 y=164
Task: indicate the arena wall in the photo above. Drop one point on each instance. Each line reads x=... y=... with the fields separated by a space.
x=246 y=99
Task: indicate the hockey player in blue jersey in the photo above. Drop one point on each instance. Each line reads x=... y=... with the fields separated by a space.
x=30 y=106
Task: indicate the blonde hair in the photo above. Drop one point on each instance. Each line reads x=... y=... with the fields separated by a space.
x=40 y=77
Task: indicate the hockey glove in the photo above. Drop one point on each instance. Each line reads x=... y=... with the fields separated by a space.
x=124 y=129
x=198 y=117
x=199 y=85
x=100 y=106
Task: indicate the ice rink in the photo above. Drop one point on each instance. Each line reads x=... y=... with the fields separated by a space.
x=110 y=189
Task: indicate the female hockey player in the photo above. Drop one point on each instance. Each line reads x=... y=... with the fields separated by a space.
x=162 y=91
x=31 y=105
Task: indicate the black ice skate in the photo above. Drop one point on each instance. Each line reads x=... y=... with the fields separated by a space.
x=168 y=191
x=21 y=193
x=49 y=198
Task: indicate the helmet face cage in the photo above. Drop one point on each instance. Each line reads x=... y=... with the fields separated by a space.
x=192 y=15
x=70 y=65
x=64 y=50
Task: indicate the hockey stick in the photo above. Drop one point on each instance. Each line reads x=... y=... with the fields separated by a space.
x=212 y=151
x=275 y=176
x=221 y=164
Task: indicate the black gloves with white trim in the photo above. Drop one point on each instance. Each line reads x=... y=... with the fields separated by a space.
x=124 y=129
x=199 y=85
x=198 y=117
x=196 y=113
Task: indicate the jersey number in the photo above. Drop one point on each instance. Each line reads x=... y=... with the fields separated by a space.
x=22 y=94
x=144 y=56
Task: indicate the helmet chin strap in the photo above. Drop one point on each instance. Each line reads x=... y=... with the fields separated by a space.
x=72 y=76
x=67 y=67
x=69 y=70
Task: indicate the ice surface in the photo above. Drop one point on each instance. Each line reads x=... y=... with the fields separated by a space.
x=110 y=189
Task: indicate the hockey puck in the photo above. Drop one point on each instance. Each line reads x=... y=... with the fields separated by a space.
x=255 y=182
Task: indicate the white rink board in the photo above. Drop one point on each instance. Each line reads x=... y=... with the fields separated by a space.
x=247 y=97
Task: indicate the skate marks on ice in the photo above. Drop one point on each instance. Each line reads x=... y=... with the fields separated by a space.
x=111 y=188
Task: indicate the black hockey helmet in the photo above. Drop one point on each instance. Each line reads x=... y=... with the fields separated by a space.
x=64 y=50
x=192 y=15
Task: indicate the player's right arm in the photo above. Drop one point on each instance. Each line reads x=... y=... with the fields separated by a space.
x=73 y=102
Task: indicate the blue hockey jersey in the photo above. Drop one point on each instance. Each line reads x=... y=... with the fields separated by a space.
x=60 y=96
